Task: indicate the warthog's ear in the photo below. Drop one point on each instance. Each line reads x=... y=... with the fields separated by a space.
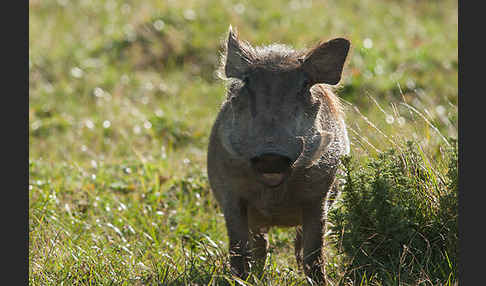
x=238 y=57
x=324 y=63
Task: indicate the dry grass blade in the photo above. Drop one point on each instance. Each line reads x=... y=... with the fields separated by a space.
x=376 y=128
x=428 y=122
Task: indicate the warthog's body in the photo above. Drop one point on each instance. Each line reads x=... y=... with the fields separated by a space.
x=275 y=147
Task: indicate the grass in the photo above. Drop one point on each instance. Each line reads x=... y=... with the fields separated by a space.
x=122 y=95
x=397 y=219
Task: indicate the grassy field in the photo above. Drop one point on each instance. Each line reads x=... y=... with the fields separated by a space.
x=122 y=95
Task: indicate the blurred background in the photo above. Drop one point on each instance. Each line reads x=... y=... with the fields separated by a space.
x=122 y=96
x=107 y=75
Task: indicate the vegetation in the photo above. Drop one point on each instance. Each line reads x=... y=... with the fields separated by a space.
x=122 y=95
x=397 y=219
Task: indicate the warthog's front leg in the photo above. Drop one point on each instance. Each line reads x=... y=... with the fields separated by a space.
x=298 y=246
x=313 y=241
x=258 y=249
x=235 y=214
x=258 y=240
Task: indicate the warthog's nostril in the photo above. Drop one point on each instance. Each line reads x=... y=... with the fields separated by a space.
x=270 y=163
x=271 y=169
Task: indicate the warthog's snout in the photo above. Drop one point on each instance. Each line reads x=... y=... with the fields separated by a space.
x=271 y=169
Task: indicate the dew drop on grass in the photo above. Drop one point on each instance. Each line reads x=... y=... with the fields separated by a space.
x=122 y=207
x=440 y=110
x=116 y=229
x=401 y=121
x=98 y=92
x=165 y=254
x=147 y=124
x=145 y=100
x=159 y=113
x=159 y=25
x=48 y=88
x=130 y=228
x=163 y=152
x=148 y=236
x=211 y=242
x=189 y=14
x=106 y=124
x=76 y=72
x=239 y=8
x=143 y=266
x=124 y=79
x=129 y=32
x=367 y=43
x=389 y=119
x=378 y=69
x=447 y=65
x=36 y=124
x=148 y=85
x=89 y=124
x=410 y=83
x=163 y=87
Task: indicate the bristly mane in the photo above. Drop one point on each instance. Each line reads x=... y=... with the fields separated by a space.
x=332 y=101
x=273 y=57
x=277 y=56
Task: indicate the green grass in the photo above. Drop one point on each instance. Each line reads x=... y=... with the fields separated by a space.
x=122 y=95
x=397 y=218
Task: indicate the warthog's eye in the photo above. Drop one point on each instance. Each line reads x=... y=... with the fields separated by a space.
x=306 y=85
x=251 y=95
x=246 y=81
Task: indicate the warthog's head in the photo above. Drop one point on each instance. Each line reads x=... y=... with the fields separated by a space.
x=274 y=121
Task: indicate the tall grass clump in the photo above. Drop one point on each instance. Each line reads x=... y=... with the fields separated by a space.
x=396 y=221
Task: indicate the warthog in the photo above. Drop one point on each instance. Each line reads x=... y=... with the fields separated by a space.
x=275 y=147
